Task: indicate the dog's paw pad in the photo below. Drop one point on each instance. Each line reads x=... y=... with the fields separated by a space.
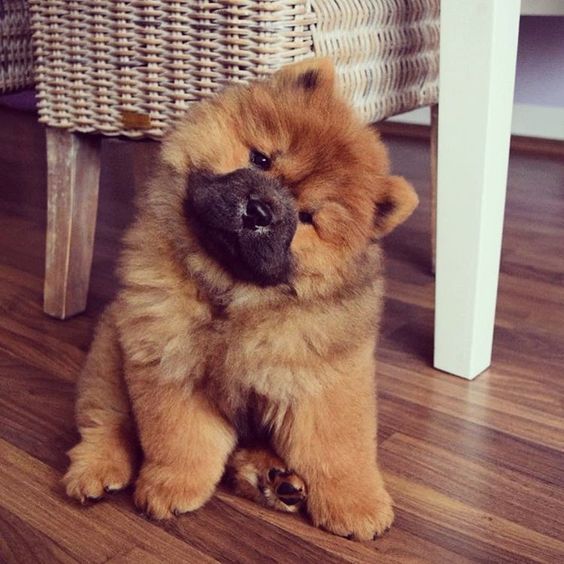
x=287 y=486
x=273 y=473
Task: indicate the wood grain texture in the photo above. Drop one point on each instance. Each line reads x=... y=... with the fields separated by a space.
x=73 y=173
x=476 y=468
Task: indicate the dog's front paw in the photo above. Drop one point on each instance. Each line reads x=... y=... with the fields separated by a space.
x=363 y=515
x=95 y=471
x=164 y=491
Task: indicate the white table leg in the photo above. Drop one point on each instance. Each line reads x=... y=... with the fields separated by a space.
x=477 y=74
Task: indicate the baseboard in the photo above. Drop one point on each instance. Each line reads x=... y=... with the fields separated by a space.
x=521 y=143
x=420 y=116
x=542 y=8
x=544 y=122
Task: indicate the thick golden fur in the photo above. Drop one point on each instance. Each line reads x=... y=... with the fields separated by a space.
x=186 y=347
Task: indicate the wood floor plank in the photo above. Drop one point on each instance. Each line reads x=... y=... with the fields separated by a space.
x=527 y=502
x=136 y=555
x=460 y=398
x=21 y=544
x=40 y=350
x=20 y=301
x=477 y=534
x=223 y=531
x=30 y=490
x=473 y=441
x=397 y=546
x=36 y=411
x=26 y=490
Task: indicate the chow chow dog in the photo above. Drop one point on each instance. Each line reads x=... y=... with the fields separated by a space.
x=243 y=335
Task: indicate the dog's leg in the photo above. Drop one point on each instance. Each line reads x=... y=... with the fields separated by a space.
x=330 y=440
x=258 y=474
x=185 y=440
x=105 y=458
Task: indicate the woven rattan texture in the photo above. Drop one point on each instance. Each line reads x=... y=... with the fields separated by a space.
x=129 y=68
x=16 y=52
x=386 y=51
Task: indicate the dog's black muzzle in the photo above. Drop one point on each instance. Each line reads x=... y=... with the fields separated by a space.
x=246 y=220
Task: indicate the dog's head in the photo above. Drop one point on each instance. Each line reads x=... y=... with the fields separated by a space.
x=278 y=183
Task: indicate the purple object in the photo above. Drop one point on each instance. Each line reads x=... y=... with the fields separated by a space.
x=24 y=100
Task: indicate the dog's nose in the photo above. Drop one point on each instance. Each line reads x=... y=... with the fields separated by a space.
x=257 y=214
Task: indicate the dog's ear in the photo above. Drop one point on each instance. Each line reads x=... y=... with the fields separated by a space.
x=394 y=203
x=309 y=75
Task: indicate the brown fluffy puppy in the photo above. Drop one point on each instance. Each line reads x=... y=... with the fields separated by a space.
x=251 y=291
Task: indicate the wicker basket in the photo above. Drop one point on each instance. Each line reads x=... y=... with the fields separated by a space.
x=16 y=53
x=129 y=67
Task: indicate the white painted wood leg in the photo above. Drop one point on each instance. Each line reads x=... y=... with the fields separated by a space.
x=73 y=174
x=477 y=73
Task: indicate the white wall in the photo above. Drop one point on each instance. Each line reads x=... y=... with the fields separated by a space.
x=539 y=82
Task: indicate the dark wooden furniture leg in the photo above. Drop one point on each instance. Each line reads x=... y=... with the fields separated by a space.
x=73 y=174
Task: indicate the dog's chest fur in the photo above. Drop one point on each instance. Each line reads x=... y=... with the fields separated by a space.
x=269 y=352
x=286 y=352
x=280 y=350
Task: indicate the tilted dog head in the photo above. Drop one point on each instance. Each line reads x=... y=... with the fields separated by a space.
x=278 y=183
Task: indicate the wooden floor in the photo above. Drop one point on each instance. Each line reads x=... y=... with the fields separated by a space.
x=476 y=469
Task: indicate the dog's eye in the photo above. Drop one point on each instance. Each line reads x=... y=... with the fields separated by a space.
x=305 y=217
x=260 y=160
